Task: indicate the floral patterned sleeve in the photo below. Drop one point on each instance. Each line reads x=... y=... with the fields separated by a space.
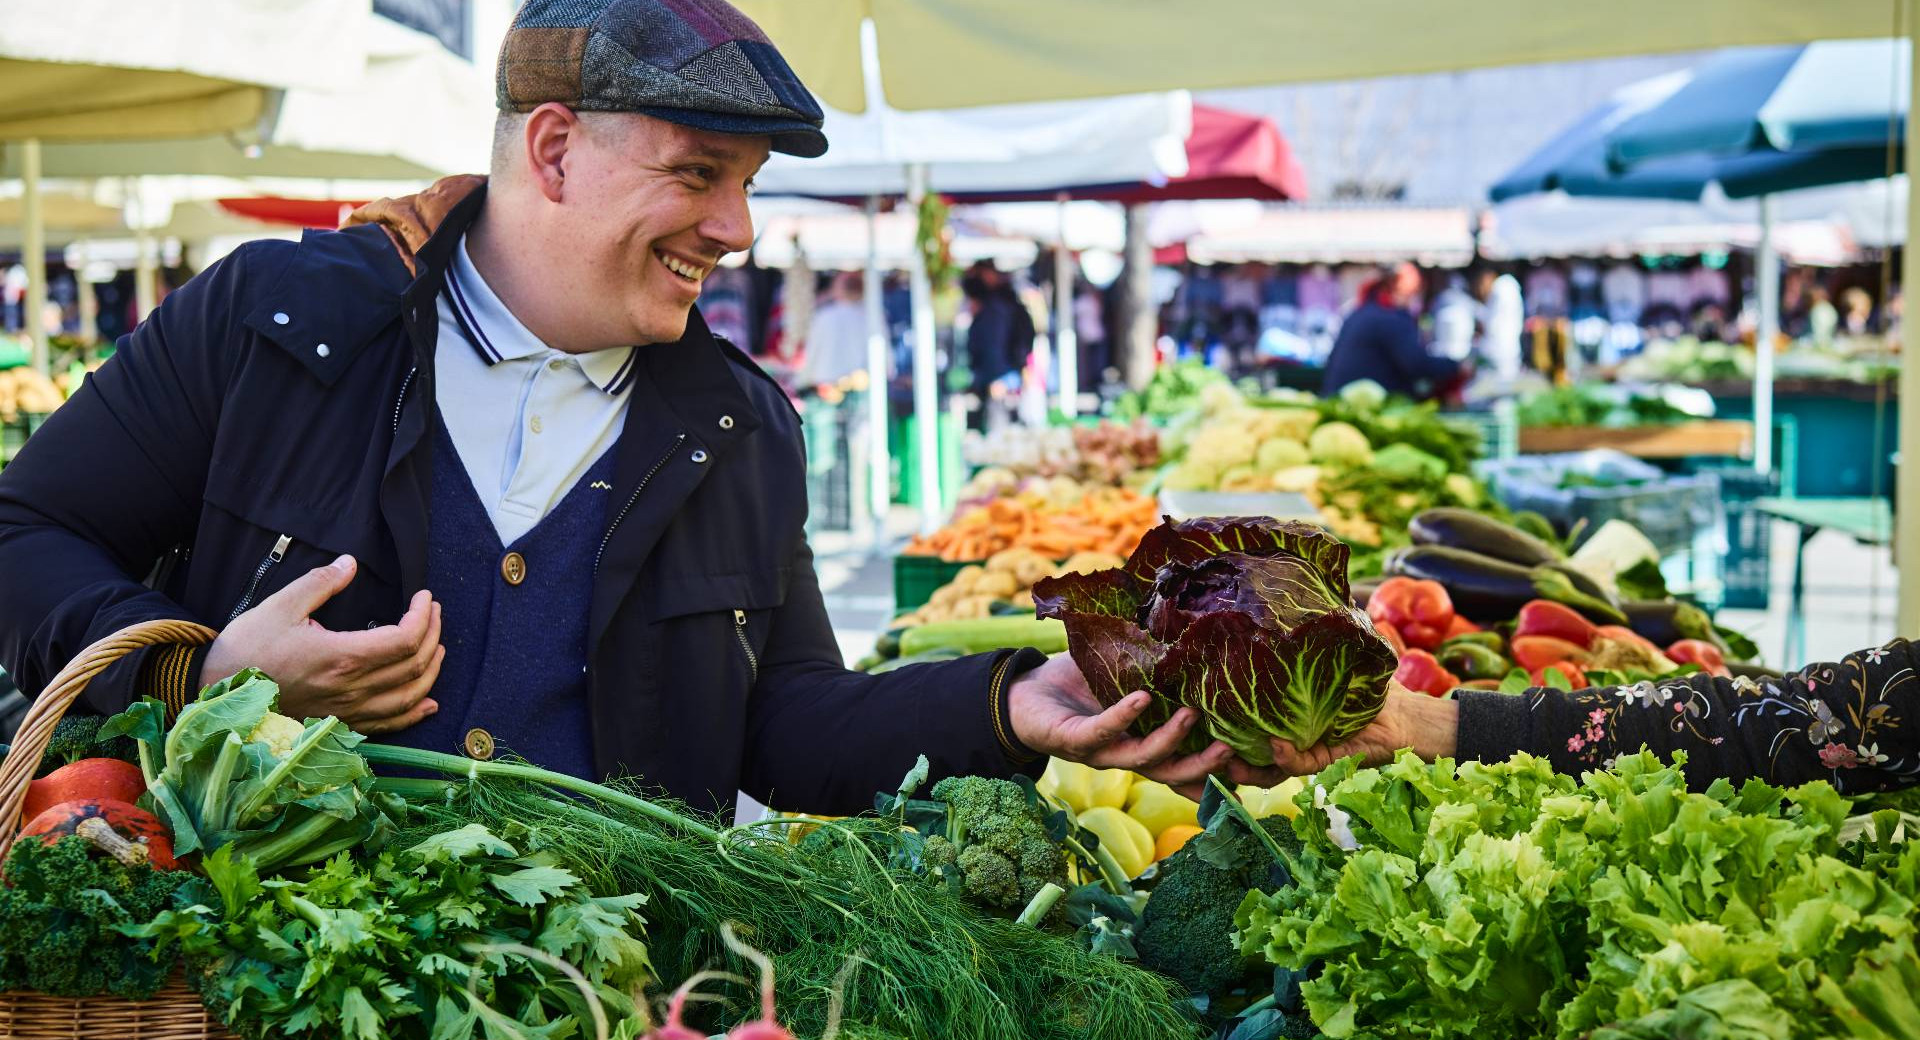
x=1854 y=722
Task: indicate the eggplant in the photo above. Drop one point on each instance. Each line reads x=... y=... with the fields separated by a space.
x=1477 y=532
x=1362 y=591
x=1665 y=622
x=1487 y=590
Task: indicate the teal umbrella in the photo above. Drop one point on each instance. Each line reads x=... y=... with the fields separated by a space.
x=1808 y=98
x=1578 y=161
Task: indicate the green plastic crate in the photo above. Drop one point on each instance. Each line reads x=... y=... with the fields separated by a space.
x=916 y=577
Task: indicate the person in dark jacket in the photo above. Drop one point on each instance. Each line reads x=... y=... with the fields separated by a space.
x=1001 y=334
x=472 y=474
x=1854 y=722
x=1380 y=341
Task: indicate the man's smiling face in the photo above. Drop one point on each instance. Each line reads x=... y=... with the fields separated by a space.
x=653 y=207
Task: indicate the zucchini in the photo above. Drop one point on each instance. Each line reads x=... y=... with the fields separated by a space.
x=975 y=635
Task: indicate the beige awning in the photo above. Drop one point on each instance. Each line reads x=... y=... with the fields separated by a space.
x=954 y=53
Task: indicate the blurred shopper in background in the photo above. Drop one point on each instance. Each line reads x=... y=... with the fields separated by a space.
x=1503 y=320
x=837 y=336
x=1380 y=341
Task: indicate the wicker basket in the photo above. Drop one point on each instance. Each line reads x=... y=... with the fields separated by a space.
x=174 y=1013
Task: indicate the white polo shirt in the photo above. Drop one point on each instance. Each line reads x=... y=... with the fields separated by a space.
x=527 y=420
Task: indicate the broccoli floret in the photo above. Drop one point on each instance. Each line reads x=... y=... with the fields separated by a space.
x=997 y=840
x=58 y=914
x=1186 y=929
x=78 y=736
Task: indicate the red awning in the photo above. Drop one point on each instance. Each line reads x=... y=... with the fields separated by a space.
x=1230 y=155
x=310 y=213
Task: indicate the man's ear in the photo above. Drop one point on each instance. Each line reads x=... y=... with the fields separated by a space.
x=550 y=131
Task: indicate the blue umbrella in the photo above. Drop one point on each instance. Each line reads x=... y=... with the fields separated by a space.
x=1844 y=94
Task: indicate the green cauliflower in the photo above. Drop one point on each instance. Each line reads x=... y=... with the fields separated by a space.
x=59 y=913
x=996 y=842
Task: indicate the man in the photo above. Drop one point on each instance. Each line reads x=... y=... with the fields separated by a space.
x=473 y=474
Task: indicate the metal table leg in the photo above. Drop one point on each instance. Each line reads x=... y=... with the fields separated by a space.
x=1795 y=649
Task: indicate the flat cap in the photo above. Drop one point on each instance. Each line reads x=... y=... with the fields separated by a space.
x=699 y=63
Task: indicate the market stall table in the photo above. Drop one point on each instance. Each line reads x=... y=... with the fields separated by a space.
x=1672 y=441
x=1868 y=521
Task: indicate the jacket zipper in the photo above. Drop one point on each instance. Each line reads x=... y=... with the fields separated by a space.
x=740 y=632
x=266 y=564
x=401 y=401
x=634 y=498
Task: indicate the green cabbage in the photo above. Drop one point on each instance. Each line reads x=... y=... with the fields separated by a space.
x=1246 y=619
x=1339 y=444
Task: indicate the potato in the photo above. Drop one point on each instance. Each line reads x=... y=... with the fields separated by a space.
x=1033 y=570
x=998 y=586
x=946 y=595
x=1006 y=560
x=1023 y=599
x=968 y=575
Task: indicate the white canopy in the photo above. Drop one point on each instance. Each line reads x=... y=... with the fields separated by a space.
x=997 y=148
x=105 y=70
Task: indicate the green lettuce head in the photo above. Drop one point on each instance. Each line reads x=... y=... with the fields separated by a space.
x=1246 y=619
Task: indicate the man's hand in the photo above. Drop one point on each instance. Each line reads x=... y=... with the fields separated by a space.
x=1054 y=713
x=1408 y=720
x=375 y=681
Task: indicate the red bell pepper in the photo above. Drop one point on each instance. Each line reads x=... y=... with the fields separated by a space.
x=1536 y=652
x=1702 y=653
x=1419 y=671
x=1576 y=679
x=1460 y=627
x=1391 y=635
x=1420 y=610
x=1546 y=618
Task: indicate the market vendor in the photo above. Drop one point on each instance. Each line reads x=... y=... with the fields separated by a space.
x=1854 y=723
x=473 y=475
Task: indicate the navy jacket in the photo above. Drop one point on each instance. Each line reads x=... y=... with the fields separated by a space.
x=288 y=390
x=1383 y=344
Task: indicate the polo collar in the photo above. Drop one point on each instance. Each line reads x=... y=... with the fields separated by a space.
x=497 y=336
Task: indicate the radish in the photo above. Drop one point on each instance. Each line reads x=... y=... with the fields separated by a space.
x=674 y=1029
x=768 y=1027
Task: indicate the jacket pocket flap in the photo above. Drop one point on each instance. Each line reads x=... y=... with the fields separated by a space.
x=677 y=595
x=315 y=528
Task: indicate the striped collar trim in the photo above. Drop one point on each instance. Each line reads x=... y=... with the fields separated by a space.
x=496 y=335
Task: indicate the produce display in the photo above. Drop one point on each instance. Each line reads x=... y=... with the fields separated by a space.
x=1365 y=461
x=1247 y=620
x=505 y=900
x=1172 y=390
x=24 y=391
x=1480 y=604
x=1109 y=454
x=1485 y=900
x=1590 y=405
x=1105 y=520
x=1003 y=582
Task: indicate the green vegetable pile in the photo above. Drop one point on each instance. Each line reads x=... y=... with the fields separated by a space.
x=1171 y=390
x=1507 y=900
x=452 y=937
x=61 y=912
x=231 y=770
x=1585 y=405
